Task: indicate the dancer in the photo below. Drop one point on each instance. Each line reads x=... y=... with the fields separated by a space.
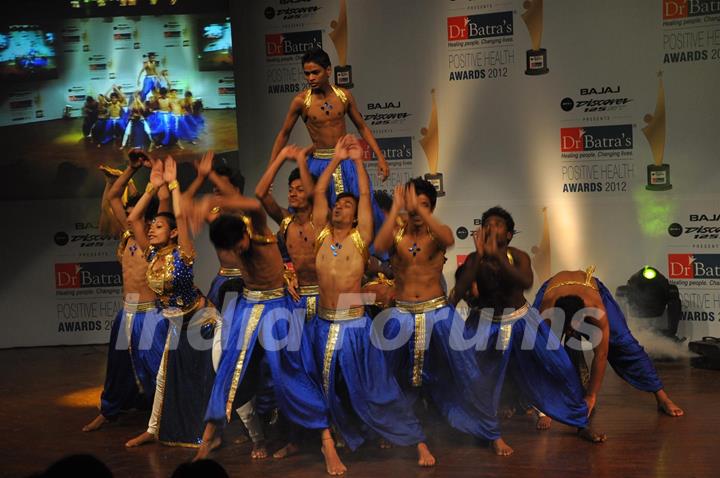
x=263 y=317
x=138 y=332
x=323 y=107
x=583 y=299
x=186 y=373
x=151 y=81
x=361 y=392
x=137 y=130
x=509 y=336
x=225 y=182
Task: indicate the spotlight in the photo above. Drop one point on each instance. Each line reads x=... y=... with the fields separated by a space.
x=649 y=273
x=649 y=295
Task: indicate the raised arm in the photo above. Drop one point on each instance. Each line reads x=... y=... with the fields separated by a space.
x=466 y=279
x=185 y=240
x=364 y=211
x=519 y=273
x=442 y=233
x=296 y=106
x=114 y=194
x=203 y=167
x=321 y=208
x=385 y=238
x=262 y=190
x=359 y=122
x=137 y=216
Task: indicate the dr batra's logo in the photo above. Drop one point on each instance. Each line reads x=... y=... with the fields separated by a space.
x=596 y=138
x=88 y=274
x=295 y=43
x=689 y=8
x=488 y=25
x=694 y=266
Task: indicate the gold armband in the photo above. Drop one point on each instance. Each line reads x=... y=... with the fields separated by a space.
x=173 y=185
x=149 y=189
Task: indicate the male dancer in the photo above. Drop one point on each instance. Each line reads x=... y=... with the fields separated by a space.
x=133 y=360
x=577 y=292
x=323 y=107
x=225 y=182
x=260 y=319
x=297 y=235
x=360 y=390
x=151 y=81
x=514 y=338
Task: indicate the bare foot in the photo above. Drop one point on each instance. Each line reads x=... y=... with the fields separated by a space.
x=543 y=423
x=506 y=412
x=333 y=464
x=591 y=435
x=668 y=408
x=205 y=448
x=141 y=439
x=384 y=444
x=425 y=458
x=96 y=424
x=286 y=451
x=501 y=448
x=259 y=451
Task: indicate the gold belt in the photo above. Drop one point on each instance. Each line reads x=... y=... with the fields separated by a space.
x=259 y=295
x=513 y=315
x=139 y=307
x=421 y=307
x=172 y=312
x=309 y=290
x=324 y=153
x=230 y=272
x=335 y=315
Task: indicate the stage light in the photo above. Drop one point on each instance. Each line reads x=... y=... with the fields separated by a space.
x=649 y=295
x=649 y=273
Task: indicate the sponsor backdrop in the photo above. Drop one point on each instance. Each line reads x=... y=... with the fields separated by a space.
x=594 y=123
x=90 y=55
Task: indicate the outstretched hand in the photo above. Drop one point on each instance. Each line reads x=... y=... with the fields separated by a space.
x=398 y=198
x=383 y=170
x=411 y=199
x=479 y=240
x=204 y=166
x=170 y=170
x=156 y=173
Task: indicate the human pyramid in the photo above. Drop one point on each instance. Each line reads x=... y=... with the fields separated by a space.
x=300 y=338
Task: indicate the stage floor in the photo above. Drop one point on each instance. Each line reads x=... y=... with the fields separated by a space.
x=48 y=394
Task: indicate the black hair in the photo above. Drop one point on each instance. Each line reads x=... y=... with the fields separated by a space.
x=226 y=231
x=423 y=186
x=234 y=175
x=497 y=211
x=294 y=176
x=347 y=194
x=188 y=93
x=163 y=90
x=206 y=468
x=383 y=199
x=570 y=305
x=316 y=55
x=114 y=95
x=170 y=218
x=78 y=465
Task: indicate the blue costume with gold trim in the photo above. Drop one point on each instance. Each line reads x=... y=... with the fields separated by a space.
x=186 y=373
x=264 y=326
x=362 y=395
x=625 y=355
